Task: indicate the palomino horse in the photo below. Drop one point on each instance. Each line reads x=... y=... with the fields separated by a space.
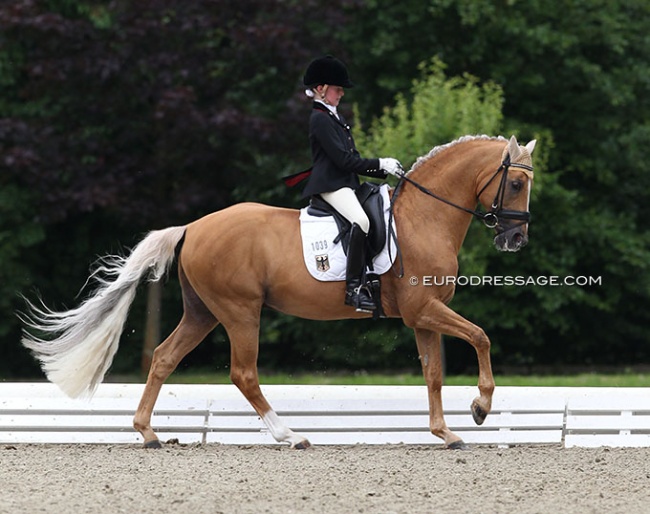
x=233 y=262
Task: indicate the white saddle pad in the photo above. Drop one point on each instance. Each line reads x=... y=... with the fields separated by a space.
x=326 y=260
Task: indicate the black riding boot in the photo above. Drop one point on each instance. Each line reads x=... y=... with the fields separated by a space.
x=356 y=293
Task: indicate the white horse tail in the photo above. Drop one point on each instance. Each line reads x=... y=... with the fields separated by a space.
x=76 y=347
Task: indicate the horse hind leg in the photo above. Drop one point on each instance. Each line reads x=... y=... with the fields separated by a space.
x=196 y=323
x=244 y=343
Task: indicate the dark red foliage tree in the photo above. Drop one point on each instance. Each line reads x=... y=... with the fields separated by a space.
x=152 y=110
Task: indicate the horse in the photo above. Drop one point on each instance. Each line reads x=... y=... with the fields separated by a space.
x=235 y=261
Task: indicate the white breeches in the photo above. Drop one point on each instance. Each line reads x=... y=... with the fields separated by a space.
x=345 y=201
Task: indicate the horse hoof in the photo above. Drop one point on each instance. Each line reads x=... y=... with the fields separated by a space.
x=478 y=413
x=302 y=445
x=458 y=445
x=155 y=444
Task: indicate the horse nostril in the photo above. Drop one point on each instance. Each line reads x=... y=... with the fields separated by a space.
x=520 y=240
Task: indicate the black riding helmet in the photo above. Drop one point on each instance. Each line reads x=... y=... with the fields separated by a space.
x=327 y=70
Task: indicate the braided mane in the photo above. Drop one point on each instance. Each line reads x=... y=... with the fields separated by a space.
x=440 y=148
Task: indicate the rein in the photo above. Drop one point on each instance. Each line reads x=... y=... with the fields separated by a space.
x=490 y=218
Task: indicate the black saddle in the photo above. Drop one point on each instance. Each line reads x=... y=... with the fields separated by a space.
x=373 y=204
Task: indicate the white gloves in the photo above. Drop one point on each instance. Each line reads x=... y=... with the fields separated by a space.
x=391 y=166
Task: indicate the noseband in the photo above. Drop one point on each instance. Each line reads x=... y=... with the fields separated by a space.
x=496 y=213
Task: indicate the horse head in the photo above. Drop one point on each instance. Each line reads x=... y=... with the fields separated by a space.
x=506 y=195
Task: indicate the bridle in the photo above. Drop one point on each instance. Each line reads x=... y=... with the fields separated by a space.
x=490 y=218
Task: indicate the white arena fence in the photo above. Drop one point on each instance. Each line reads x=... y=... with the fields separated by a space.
x=329 y=415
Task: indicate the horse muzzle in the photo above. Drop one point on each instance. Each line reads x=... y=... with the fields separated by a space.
x=511 y=240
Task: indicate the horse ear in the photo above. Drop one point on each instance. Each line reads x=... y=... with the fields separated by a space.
x=513 y=149
x=531 y=146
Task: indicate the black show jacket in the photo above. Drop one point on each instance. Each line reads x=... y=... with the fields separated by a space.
x=336 y=161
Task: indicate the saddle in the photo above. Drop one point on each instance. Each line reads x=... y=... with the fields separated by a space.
x=373 y=204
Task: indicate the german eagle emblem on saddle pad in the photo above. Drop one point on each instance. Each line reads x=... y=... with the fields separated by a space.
x=324 y=235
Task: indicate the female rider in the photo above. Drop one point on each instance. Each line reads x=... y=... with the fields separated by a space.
x=336 y=166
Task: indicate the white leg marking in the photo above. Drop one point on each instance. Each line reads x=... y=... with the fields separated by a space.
x=280 y=431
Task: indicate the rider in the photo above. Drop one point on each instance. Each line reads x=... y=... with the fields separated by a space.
x=336 y=166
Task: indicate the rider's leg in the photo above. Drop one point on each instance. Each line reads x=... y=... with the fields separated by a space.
x=345 y=201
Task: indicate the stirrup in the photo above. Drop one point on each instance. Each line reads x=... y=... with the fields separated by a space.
x=360 y=298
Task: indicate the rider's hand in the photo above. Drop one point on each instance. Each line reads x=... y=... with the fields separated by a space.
x=391 y=166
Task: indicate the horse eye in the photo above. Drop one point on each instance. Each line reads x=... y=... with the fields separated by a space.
x=517 y=185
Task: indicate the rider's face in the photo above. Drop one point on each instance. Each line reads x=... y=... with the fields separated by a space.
x=333 y=94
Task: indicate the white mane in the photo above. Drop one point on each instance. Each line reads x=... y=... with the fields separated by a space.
x=437 y=149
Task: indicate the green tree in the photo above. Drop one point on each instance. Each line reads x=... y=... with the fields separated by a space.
x=575 y=73
x=119 y=117
x=438 y=109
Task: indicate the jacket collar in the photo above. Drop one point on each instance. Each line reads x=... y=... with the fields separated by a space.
x=340 y=120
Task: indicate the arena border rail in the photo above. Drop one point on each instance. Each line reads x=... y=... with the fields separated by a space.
x=328 y=415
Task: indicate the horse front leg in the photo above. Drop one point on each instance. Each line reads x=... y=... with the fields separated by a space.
x=440 y=318
x=428 y=343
